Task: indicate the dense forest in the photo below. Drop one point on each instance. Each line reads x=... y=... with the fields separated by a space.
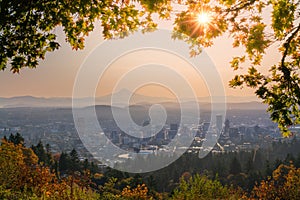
x=35 y=173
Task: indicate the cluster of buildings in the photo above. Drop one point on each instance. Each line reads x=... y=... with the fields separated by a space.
x=223 y=134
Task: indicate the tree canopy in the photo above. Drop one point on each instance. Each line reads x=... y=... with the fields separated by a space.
x=27 y=33
x=21 y=177
x=200 y=187
x=25 y=175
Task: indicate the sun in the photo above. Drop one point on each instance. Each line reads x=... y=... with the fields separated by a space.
x=203 y=18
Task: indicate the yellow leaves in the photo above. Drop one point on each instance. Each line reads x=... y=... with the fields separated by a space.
x=199 y=33
x=284 y=184
x=47 y=194
x=228 y=3
x=78 y=44
x=256 y=42
x=13 y=164
x=98 y=175
x=235 y=62
x=260 y=6
x=239 y=39
x=140 y=192
x=283 y=15
x=200 y=187
x=19 y=171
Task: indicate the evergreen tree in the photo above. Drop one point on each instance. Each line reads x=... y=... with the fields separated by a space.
x=235 y=166
x=249 y=165
x=151 y=182
x=64 y=162
x=94 y=168
x=268 y=170
x=74 y=161
x=16 y=139
x=44 y=156
x=86 y=164
x=297 y=162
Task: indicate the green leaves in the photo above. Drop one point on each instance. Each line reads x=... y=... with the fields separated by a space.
x=252 y=79
x=26 y=33
x=25 y=36
x=200 y=187
x=235 y=62
x=283 y=16
x=279 y=88
x=256 y=42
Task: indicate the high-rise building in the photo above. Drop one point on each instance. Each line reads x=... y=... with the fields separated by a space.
x=219 y=123
x=173 y=131
x=171 y=134
x=234 y=133
x=206 y=126
x=114 y=136
x=226 y=128
x=173 y=127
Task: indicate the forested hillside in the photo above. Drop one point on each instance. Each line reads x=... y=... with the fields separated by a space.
x=34 y=173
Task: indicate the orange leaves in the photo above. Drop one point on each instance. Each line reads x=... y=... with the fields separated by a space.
x=13 y=164
x=284 y=184
x=21 y=174
x=140 y=192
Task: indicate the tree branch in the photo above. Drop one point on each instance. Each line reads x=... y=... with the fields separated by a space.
x=240 y=6
x=283 y=68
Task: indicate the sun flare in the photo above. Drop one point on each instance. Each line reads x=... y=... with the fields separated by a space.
x=203 y=18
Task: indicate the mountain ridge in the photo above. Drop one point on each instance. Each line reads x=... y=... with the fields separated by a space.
x=135 y=99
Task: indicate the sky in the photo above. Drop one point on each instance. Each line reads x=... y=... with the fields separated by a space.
x=55 y=76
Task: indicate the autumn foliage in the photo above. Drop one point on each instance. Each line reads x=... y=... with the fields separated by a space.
x=21 y=177
x=140 y=192
x=283 y=184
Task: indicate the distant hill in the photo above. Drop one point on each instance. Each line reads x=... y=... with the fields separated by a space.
x=233 y=102
x=30 y=101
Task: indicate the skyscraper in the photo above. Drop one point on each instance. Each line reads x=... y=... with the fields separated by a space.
x=219 y=123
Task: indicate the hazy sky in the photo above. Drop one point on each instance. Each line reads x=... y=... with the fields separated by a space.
x=55 y=75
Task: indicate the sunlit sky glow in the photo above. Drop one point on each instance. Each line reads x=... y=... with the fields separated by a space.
x=204 y=18
x=55 y=75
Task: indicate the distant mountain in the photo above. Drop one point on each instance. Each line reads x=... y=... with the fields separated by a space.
x=233 y=102
x=230 y=99
x=135 y=98
x=30 y=101
x=253 y=105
